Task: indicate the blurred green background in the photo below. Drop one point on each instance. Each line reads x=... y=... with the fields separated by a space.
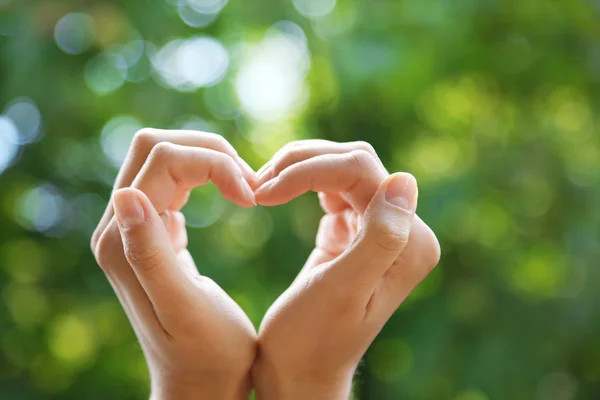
x=493 y=105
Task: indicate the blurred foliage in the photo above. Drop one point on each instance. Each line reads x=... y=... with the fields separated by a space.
x=493 y=105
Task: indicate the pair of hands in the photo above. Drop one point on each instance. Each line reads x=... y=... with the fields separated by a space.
x=371 y=251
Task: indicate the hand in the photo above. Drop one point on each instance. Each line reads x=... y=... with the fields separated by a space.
x=371 y=252
x=197 y=341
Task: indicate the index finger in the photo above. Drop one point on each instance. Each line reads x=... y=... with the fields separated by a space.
x=357 y=175
x=141 y=147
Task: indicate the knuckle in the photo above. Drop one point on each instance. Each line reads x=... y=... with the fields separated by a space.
x=222 y=143
x=104 y=250
x=288 y=157
x=283 y=151
x=161 y=151
x=388 y=239
x=362 y=158
x=225 y=170
x=432 y=257
x=227 y=163
x=144 y=139
x=362 y=145
x=288 y=146
x=146 y=258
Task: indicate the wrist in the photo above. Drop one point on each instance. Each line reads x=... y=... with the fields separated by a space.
x=303 y=390
x=201 y=389
x=277 y=384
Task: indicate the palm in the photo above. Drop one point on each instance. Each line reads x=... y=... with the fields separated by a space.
x=215 y=311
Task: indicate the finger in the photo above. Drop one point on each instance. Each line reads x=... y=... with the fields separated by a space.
x=334 y=234
x=416 y=261
x=143 y=143
x=332 y=203
x=148 y=250
x=174 y=222
x=171 y=167
x=180 y=200
x=303 y=150
x=333 y=238
x=146 y=139
x=124 y=282
x=388 y=223
x=357 y=175
x=283 y=149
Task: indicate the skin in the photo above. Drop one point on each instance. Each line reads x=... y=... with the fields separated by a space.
x=369 y=255
x=197 y=341
x=371 y=251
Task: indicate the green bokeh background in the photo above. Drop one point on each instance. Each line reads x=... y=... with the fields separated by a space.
x=493 y=105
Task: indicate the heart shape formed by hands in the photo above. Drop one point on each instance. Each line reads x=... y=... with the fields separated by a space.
x=371 y=251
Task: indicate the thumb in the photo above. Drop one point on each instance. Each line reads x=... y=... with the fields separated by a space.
x=388 y=221
x=147 y=246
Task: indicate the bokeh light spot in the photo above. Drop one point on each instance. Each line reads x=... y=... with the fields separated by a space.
x=187 y=65
x=340 y=21
x=204 y=207
x=116 y=137
x=243 y=235
x=203 y=61
x=26 y=116
x=74 y=33
x=131 y=53
x=434 y=158
x=41 y=208
x=192 y=17
x=105 y=73
x=207 y=6
x=72 y=340
x=456 y=104
x=571 y=114
x=250 y=227
x=541 y=273
x=270 y=83
x=314 y=8
x=9 y=137
x=195 y=123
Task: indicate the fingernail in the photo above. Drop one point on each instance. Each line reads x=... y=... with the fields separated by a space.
x=266 y=186
x=248 y=192
x=128 y=209
x=401 y=191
